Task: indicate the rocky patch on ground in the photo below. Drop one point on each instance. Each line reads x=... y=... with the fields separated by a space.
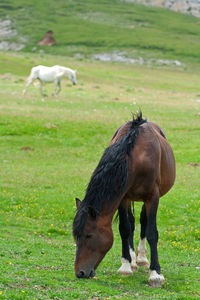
x=124 y=58
x=6 y=33
x=183 y=6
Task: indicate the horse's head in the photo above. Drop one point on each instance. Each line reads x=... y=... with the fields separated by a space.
x=94 y=238
x=72 y=77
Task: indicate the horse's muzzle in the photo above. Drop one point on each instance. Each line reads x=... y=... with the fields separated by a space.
x=82 y=274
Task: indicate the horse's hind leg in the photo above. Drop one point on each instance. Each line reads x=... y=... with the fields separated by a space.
x=141 y=249
x=155 y=279
x=124 y=229
x=131 y=242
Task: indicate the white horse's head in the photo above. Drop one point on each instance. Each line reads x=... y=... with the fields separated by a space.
x=72 y=76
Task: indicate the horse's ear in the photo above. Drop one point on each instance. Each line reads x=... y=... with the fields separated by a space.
x=78 y=203
x=92 y=213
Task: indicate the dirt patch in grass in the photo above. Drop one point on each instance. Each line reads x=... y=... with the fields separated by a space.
x=194 y=164
x=27 y=149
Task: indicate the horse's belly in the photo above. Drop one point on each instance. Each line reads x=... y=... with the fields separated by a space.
x=46 y=75
x=47 y=78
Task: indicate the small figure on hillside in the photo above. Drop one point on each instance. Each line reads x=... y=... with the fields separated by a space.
x=47 y=40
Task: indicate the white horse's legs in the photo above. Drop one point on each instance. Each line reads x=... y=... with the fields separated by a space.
x=30 y=80
x=55 y=86
x=59 y=86
x=41 y=88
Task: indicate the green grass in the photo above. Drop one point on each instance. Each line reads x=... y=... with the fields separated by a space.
x=92 y=26
x=67 y=136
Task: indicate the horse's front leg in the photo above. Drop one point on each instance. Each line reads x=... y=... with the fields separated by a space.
x=59 y=87
x=41 y=88
x=155 y=279
x=55 y=87
x=124 y=229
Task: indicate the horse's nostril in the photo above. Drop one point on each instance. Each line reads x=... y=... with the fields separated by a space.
x=92 y=273
x=81 y=274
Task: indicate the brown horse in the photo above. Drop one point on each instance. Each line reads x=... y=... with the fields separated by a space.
x=138 y=165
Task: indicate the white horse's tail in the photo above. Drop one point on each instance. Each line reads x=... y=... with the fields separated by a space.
x=30 y=79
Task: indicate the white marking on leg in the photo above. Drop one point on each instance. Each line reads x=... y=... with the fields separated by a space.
x=155 y=279
x=141 y=254
x=125 y=268
x=134 y=266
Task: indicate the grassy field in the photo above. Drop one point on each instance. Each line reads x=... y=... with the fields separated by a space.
x=92 y=26
x=65 y=137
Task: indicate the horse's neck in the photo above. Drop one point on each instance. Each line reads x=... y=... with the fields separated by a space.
x=109 y=211
x=67 y=71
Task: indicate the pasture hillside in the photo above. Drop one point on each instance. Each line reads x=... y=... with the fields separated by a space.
x=84 y=28
x=48 y=149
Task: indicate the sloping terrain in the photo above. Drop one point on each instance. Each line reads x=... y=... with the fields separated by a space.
x=183 y=6
x=49 y=148
x=83 y=28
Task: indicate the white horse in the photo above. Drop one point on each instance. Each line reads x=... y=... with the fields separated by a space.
x=49 y=74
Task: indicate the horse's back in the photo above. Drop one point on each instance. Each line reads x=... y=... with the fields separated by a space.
x=45 y=73
x=151 y=162
x=63 y=69
x=38 y=69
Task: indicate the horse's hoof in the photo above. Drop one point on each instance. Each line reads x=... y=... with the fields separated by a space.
x=134 y=268
x=156 y=280
x=144 y=263
x=125 y=268
x=125 y=273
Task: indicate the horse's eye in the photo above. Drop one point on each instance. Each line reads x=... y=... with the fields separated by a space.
x=88 y=236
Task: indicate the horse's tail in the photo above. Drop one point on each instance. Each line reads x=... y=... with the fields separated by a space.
x=33 y=73
x=131 y=135
x=109 y=179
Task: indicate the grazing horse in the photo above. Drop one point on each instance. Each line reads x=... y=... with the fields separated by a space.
x=138 y=165
x=50 y=74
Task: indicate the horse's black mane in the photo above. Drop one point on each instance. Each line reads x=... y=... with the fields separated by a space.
x=109 y=179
